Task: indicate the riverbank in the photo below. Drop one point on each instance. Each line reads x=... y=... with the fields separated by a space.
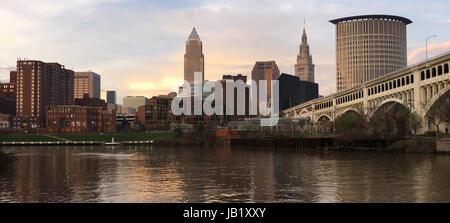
x=118 y=137
x=416 y=144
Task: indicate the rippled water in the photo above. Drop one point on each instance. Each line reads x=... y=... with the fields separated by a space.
x=149 y=174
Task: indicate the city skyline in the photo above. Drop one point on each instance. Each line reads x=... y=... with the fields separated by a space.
x=145 y=41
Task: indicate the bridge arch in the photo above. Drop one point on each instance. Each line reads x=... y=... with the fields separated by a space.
x=323 y=116
x=389 y=100
x=435 y=98
x=348 y=110
x=304 y=114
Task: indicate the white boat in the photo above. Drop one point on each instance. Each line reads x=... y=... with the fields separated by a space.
x=112 y=143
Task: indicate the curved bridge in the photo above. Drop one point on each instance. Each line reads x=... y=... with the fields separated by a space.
x=417 y=87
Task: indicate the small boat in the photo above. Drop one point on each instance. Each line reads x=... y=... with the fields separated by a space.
x=112 y=143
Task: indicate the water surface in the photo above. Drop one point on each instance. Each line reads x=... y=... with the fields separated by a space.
x=150 y=174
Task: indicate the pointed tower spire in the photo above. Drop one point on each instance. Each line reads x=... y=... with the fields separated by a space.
x=304 y=68
x=194 y=34
x=304 y=38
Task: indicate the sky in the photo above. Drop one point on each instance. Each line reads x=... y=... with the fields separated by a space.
x=138 y=46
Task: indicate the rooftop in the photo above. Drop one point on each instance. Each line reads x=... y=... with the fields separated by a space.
x=363 y=17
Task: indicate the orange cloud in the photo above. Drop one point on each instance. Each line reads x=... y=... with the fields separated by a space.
x=418 y=54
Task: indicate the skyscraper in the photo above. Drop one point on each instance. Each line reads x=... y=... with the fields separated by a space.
x=368 y=47
x=86 y=83
x=109 y=96
x=40 y=85
x=265 y=70
x=194 y=60
x=304 y=68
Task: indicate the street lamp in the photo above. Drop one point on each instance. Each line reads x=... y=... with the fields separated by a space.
x=426 y=45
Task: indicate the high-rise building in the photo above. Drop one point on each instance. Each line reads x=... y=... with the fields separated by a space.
x=40 y=85
x=109 y=96
x=368 y=47
x=265 y=70
x=294 y=91
x=194 y=60
x=86 y=83
x=237 y=96
x=304 y=68
x=134 y=102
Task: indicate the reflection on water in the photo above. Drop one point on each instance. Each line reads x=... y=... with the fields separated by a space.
x=148 y=174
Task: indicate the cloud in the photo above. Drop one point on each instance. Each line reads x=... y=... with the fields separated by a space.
x=138 y=46
x=418 y=54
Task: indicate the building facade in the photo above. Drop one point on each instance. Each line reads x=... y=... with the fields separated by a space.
x=304 y=68
x=8 y=95
x=5 y=121
x=368 y=47
x=265 y=70
x=87 y=101
x=242 y=96
x=294 y=91
x=75 y=118
x=132 y=103
x=40 y=85
x=194 y=61
x=109 y=96
x=86 y=83
x=157 y=114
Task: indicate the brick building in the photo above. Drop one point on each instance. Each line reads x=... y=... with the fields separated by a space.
x=8 y=95
x=87 y=101
x=75 y=118
x=157 y=113
x=40 y=85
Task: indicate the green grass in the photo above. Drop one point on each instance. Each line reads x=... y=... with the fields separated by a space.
x=26 y=138
x=117 y=137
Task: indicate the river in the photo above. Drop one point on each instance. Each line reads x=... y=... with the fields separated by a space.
x=161 y=174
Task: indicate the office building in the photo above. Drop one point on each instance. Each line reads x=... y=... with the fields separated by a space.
x=109 y=96
x=294 y=91
x=194 y=60
x=134 y=102
x=265 y=70
x=238 y=95
x=40 y=85
x=368 y=47
x=304 y=68
x=86 y=83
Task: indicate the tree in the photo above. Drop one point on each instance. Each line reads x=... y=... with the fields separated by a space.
x=439 y=112
x=350 y=123
x=416 y=122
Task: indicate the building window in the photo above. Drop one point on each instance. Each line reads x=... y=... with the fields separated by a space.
x=433 y=72
x=428 y=73
x=439 y=70
x=445 y=68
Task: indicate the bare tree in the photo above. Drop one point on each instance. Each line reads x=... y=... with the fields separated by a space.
x=439 y=112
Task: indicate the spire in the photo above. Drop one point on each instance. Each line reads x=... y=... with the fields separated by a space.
x=194 y=35
x=304 y=38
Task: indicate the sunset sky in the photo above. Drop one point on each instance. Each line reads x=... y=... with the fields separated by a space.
x=137 y=46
